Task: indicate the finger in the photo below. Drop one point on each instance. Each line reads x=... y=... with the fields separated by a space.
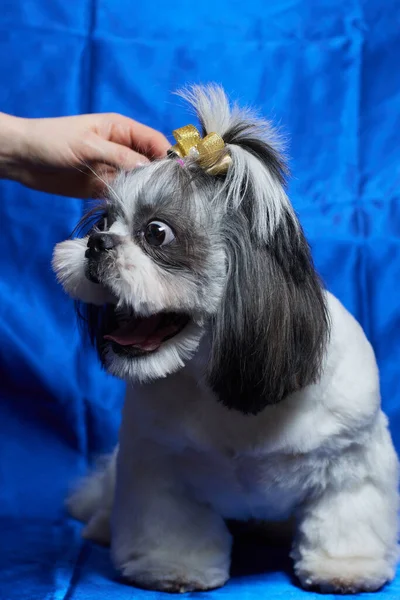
x=144 y=139
x=151 y=142
x=116 y=155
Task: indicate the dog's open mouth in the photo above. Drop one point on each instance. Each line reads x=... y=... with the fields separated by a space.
x=138 y=335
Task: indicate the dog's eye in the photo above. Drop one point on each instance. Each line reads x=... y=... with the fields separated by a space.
x=158 y=233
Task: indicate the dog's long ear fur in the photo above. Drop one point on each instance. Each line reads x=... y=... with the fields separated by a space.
x=270 y=334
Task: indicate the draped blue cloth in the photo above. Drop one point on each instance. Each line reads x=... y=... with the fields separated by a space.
x=328 y=73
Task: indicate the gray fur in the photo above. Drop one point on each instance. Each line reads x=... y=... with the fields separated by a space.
x=239 y=266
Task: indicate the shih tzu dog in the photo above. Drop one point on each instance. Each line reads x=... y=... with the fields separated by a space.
x=252 y=394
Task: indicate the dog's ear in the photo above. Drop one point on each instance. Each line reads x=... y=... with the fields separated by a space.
x=269 y=336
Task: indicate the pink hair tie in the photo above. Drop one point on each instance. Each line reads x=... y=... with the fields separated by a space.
x=180 y=161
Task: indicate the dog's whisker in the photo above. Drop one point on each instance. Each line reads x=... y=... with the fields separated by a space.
x=111 y=191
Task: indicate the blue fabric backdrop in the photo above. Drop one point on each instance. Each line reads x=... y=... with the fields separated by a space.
x=327 y=71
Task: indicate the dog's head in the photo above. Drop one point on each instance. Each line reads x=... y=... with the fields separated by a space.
x=180 y=248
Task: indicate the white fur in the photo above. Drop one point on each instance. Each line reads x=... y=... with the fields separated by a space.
x=213 y=108
x=273 y=199
x=171 y=357
x=186 y=463
x=69 y=265
x=138 y=283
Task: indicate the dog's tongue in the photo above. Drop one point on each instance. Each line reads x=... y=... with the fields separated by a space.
x=140 y=333
x=145 y=334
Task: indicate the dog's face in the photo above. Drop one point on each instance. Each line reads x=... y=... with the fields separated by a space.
x=178 y=251
x=154 y=265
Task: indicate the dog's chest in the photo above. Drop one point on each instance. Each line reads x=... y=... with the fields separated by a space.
x=232 y=462
x=244 y=486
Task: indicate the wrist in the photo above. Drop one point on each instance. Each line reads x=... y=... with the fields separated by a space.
x=11 y=145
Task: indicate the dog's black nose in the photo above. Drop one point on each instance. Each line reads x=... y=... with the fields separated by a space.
x=100 y=242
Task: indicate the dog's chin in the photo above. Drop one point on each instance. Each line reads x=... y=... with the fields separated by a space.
x=144 y=348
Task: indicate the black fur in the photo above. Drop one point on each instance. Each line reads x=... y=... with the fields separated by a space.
x=190 y=249
x=245 y=135
x=270 y=335
x=91 y=220
x=94 y=322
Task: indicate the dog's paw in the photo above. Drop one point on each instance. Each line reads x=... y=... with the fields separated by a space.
x=173 y=577
x=343 y=575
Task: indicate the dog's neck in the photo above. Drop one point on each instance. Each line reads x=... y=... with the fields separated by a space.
x=197 y=366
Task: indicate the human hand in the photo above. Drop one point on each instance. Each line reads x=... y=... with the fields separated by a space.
x=75 y=156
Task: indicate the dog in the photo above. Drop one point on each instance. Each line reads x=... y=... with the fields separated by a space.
x=252 y=394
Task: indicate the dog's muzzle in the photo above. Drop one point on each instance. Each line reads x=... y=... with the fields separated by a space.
x=98 y=245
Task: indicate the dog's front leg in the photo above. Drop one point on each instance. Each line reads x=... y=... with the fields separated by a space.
x=347 y=533
x=161 y=538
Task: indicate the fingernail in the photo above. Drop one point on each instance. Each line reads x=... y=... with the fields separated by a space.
x=142 y=163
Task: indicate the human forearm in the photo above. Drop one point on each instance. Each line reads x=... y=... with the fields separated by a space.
x=11 y=146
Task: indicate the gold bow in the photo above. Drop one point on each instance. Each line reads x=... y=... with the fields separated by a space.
x=207 y=150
